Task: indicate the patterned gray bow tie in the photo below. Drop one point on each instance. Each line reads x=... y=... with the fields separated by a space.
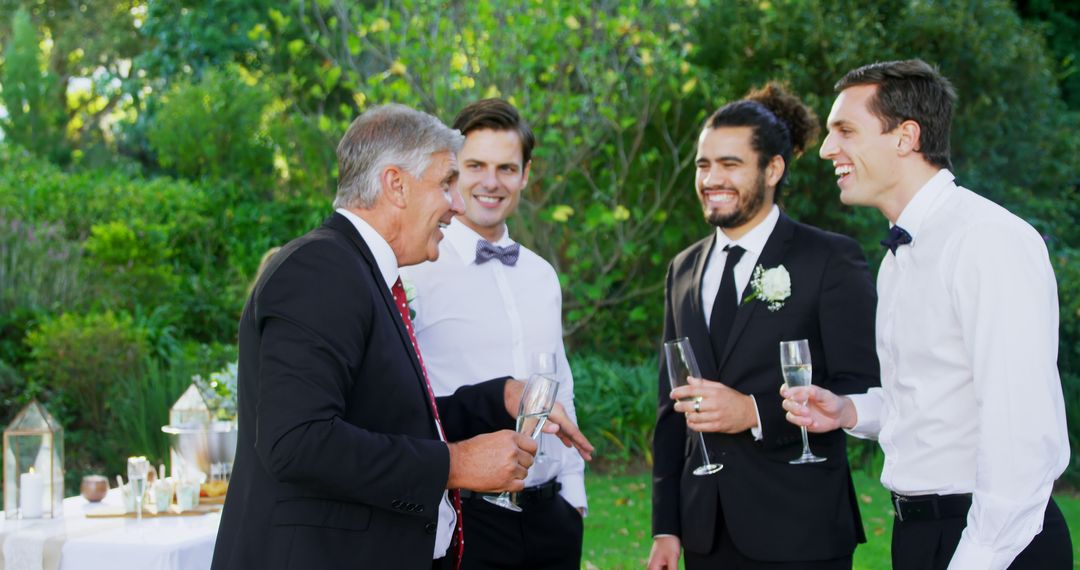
x=485 y=250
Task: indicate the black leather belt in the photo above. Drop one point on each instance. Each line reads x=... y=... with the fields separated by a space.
x=542 y=492
x=930 y=507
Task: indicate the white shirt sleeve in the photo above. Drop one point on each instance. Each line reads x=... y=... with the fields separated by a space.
x=867 y=414
x=1006 y=303
x=572 y=475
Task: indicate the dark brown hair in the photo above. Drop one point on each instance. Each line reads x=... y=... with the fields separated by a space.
x=497 y=115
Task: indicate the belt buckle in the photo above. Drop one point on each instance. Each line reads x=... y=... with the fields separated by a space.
x=898 y=502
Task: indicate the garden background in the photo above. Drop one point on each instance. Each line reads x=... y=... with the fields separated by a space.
x=152 y=150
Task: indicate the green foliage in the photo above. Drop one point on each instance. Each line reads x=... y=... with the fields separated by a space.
x=177 y=254
x=80 y=356
x=1060 y=22
x=616 y=407
x=12 y=393
x=38 y=266
x=31 y=95
x=215 y=127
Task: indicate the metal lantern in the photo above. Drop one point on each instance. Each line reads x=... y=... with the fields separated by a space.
x=33 y=465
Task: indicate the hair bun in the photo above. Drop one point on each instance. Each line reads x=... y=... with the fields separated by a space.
x=801 y=121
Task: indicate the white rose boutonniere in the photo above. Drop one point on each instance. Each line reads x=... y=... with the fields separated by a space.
x=771 y=286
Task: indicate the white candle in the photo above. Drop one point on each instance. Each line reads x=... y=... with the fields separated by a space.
x=31 y=492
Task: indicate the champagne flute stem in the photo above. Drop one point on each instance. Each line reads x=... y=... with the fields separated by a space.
x=704 y=452
x=805 y=441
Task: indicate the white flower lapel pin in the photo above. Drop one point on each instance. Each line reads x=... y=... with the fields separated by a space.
x=771 y=286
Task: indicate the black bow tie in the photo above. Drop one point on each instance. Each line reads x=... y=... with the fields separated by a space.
x=898 y=236
x=485 y=250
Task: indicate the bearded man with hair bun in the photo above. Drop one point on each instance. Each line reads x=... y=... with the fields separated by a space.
x=759 y=511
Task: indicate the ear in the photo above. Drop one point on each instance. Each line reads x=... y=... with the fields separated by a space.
x=774 y=171
x=908 y=142
x=393 y=186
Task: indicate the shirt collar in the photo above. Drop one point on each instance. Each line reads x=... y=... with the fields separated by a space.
x=755 y=239
x=380 y=249
x=463 y=239
x=925 y=201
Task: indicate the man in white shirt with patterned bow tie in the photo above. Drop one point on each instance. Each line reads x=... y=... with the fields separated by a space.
x=970 y=414
x=489 y=304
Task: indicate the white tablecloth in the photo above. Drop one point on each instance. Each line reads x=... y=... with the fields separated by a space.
x=164 y=543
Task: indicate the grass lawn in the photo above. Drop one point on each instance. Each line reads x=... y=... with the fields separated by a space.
x=618 y=537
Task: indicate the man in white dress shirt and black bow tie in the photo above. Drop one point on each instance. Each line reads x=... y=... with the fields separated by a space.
x=490 y=304
x=970 y=413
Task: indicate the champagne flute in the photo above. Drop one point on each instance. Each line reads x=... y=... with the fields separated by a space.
x=536 y=403
x=797 y=371
x=681 y=363
x=543 y=363
x=138 y=467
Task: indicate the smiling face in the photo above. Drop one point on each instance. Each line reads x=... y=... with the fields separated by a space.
x=431 y=201
x=734 y=191
x=866 y=160
x=492 y=177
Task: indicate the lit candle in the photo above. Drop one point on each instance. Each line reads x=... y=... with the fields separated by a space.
x=31 y=492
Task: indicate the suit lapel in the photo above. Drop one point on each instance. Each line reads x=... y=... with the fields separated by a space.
x=694 y=325
x=342 y=225
x=771 y=256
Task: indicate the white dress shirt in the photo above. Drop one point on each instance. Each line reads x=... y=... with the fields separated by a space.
x=967 y=336
x=388 y=267
x=753 y=242
x=475 y=322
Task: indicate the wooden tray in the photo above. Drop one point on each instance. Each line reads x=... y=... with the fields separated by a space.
x=151 y=512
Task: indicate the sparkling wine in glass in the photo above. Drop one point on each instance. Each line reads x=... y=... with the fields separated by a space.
x=536 y=403
x=681 y=363
x=542 y=363
x=797 y=370
x=138 y=467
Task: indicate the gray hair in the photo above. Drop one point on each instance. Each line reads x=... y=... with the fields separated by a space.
x=388 y=135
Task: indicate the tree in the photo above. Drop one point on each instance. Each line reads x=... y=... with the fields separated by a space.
x=34 y=120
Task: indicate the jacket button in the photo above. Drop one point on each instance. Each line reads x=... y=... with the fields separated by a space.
x=419 y=508
x=430 y=528
x=396 y=504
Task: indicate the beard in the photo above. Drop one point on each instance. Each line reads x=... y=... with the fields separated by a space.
x=747 y=207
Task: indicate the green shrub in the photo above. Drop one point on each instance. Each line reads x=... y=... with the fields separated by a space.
x=616 y=408
x=38 y=266
x=215 y=127
x=13 y=393
x=81 y=356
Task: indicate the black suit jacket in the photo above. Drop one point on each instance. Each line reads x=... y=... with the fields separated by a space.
x=338 y=463
x=774 y=511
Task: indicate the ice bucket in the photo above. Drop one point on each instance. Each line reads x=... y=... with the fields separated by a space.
x=202 y=446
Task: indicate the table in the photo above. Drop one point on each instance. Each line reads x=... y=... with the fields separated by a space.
x=75 y=542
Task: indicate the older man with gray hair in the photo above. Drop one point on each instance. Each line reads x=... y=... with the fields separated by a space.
x=345 y=459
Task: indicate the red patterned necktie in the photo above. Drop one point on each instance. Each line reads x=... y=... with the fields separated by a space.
x=455 y=495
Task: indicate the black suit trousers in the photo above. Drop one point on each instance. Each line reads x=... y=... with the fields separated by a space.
x=929 y=545
x=726 y=555
x=545 y=535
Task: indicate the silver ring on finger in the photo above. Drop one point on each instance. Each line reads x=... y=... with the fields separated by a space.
x=697 y=406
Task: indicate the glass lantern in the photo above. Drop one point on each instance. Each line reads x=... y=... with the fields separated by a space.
x=190 y=409
x=33 y=465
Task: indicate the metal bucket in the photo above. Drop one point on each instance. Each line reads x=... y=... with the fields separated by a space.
x=208 y=448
